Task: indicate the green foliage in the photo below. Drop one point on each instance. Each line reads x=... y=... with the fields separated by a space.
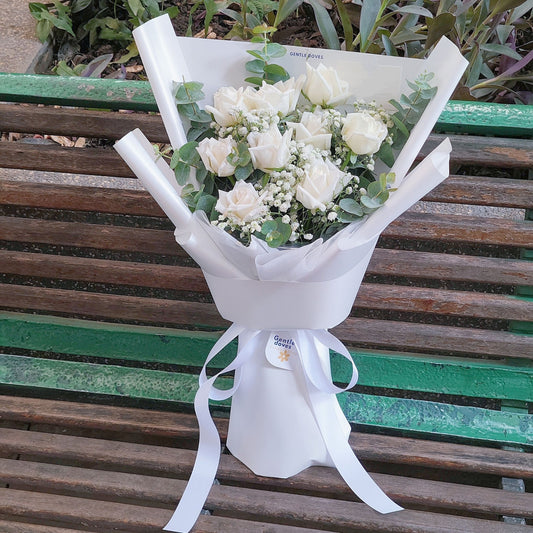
x=408 y=112
x=266 y=71
x=485 y=31
x=51 y=16
x=275 y=232
x=98 y=20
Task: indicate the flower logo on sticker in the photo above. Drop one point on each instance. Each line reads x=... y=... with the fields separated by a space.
x=284 y=355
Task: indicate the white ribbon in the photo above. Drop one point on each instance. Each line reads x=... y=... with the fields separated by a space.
x=317 y=371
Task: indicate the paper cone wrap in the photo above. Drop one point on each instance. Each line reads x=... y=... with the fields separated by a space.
x=281 y=302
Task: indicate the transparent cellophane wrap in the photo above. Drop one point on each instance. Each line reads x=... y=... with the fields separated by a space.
x=281 y=302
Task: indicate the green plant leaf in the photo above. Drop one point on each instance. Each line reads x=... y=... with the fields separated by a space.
x=206 y=203
x=132 y=51
x=386 y=154
x=286 y=8
x=254 y=80
x=276 y=232
x=501 y=49
x=257 y=66
x=415 y=10
x=43 y=29
x=135 y=6
x=242 y=173
x=438 y=27
x=182 y=171
x=273 y=50
x=351 y=206
x=369 y=15
x=188 y=152
x=80 y=5
x=325 y=24
x=504 y=5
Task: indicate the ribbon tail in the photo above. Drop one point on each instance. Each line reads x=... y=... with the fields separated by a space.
x=319 y=382
x=205 y=467
x=208 y=454
x=347 y=463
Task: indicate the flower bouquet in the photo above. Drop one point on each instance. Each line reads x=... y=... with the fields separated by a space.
x=279 y=192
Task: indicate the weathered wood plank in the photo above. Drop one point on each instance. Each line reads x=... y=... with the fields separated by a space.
x=358 y=331
x=56 y=158
x=506 y=153
x=485 y=151
x=486 y=191
x=281 y=510
x=322 y=482
x=411 y=226
x=106 y=516
x=370 y=296
x=384 y=262
x=50 y=120
x=368 y=447
x=458 y=228
x=24 y=527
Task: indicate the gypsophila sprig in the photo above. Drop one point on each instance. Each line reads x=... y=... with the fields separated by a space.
x=292 y=160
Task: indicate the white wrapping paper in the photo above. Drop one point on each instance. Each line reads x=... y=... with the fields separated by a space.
x=284 y=415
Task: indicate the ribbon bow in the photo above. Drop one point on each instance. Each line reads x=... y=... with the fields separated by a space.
x=316 y=369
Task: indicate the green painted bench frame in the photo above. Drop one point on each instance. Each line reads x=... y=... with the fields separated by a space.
x=510 y=383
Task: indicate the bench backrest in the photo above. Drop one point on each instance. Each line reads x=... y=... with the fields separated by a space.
x=441 y=329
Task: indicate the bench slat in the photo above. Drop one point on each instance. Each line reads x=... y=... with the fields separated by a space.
x=506 y=153
x=56 y=158
x=410 y=226
x=423 y=417
x=302 y=511
x=407 y=491
x=416 y=372
x=370 y=296
x=138 y=423
x=105 y=516
x=357 y=331
x=475 y=190
x=24 y=527
x=485 y=151
x=385 y=262
x=84 y=123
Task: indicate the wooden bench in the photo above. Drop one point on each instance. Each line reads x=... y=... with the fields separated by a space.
x=104 y=323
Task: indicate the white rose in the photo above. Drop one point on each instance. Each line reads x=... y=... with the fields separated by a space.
x=312 y=130
x=281 y=97
x=324 y=87
x=241 y=204
x=269 y=150
x=227 y=102
x=214 y=153
x=322 y=182
x=363 y=133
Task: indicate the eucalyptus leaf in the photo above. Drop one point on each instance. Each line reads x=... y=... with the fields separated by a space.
x=257 y=66
x=351 y=206
x=182 y=172
x=206 y=203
